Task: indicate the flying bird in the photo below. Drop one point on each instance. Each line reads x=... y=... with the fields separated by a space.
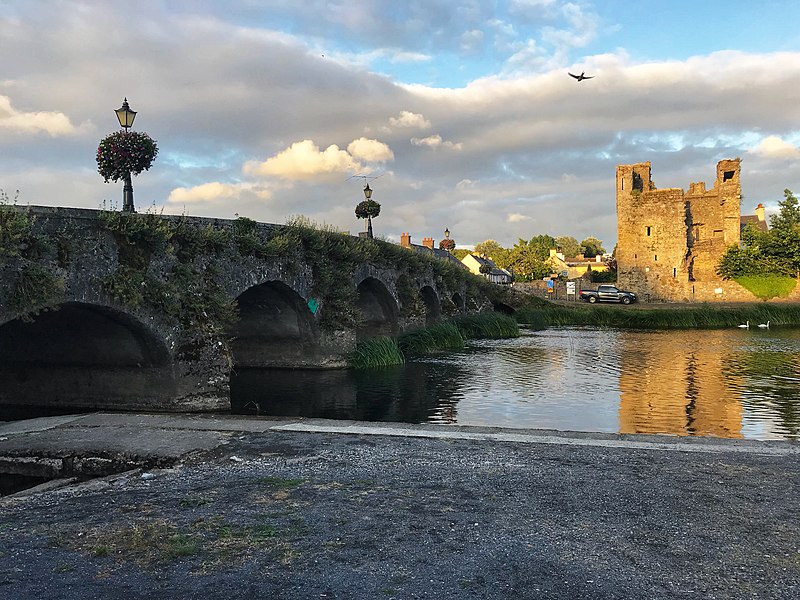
x=580 y=77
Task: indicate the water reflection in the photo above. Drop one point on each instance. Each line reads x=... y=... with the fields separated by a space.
x=674 y=383
x=728 y=383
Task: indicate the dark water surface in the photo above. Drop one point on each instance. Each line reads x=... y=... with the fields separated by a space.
x=728 y=383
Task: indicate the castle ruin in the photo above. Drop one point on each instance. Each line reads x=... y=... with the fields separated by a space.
x=670 y=241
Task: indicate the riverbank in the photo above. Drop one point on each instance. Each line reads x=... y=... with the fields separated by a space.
x=321 y=509
x=541 y=313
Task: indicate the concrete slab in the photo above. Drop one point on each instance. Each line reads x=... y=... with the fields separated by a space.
x=544 y=437
x=187 y=422
x=129 y=441
x=38 y=424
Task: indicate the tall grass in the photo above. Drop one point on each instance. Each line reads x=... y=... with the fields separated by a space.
x=701 y=317
x=384 y=351
x=442 y=336
x=376 y=352
x=487 y=325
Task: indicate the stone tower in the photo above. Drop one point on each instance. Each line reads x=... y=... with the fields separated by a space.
x=668 y=240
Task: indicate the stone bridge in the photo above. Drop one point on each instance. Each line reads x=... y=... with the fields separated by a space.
x=142 y=311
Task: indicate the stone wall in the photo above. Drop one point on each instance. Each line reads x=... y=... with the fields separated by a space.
x=670 y=242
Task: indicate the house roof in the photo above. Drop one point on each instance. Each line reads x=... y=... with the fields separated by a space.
x=438 y=253
x=753 y=221
x=495 y=270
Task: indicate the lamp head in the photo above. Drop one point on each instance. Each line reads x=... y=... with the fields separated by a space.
x=125 y=115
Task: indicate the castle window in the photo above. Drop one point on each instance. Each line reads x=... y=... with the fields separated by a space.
x=647 y=230
x=637 y=182
x=728 y=175
x=674 y=272
x=655 y=257
x=635 y=256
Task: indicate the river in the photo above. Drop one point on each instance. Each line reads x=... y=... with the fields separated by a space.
x=732 y=383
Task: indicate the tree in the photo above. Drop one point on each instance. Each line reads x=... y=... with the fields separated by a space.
x=527 y=258
x=788 y=217
x=773 y=252
x=488 y=249
x=540 y=245
x=592 y=247
x=568 y=245
x=460 y=253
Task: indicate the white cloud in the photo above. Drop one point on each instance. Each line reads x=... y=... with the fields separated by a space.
x=517 y=218
x=410 y=120
x=54 y=123
x=304 y=161
x=435 y=141
x=370 y=150
x=775 y=147
x=212 y=191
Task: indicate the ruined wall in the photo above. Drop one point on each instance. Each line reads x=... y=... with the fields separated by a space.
x=652 y=247
x=670 y=242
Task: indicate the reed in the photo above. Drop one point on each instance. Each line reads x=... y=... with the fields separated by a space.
x=696 y=317
x=376 y=352
x=487 y=325
x=442 y=336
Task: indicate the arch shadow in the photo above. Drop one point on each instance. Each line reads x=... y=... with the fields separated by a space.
x=433 y=308
x=84 y=355
x=378 y=310
x=275 y=328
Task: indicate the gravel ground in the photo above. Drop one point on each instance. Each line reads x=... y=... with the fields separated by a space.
x=321 y=515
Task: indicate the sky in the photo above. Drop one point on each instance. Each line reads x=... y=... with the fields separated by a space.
x=461 y=114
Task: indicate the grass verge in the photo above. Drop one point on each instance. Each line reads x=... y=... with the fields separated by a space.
x=699 y=317
x=767 y=287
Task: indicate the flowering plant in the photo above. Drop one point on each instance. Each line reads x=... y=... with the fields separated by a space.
x=447 y=244
x=125 y=152
x=368 y=209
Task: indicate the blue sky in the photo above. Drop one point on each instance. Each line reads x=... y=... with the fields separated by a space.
x=465 y=109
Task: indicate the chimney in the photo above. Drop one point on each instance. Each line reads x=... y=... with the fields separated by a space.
x=405 y=240
x=428 y=242
x=760 y=212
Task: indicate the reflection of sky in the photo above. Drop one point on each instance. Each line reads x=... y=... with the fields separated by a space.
x=541 y=380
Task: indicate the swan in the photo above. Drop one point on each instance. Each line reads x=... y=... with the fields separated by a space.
x=745 y=326
x=764 y=325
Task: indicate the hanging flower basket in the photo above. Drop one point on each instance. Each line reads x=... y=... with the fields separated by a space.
x=447 y=244
x=367 y=209
x=125 y=152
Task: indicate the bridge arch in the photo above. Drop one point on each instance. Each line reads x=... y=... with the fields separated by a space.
x=275 y=328
x=433 y=307
x=83 y=355
x=378 y=310
x=459 y=302
x=503 y=308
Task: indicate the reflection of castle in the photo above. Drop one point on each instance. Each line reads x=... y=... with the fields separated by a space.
x=668 y=387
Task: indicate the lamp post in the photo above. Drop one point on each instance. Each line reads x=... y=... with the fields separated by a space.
x=125 y=116
x=368 y=195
